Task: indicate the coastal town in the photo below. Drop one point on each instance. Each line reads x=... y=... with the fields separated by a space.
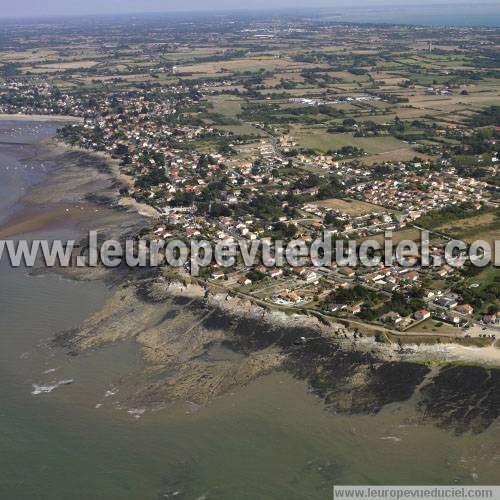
x=249 y=251
x=276 y=132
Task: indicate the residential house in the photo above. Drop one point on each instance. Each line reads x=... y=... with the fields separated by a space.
x=422 y=314
x=465 y=309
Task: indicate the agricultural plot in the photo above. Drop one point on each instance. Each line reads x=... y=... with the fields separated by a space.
x=238 y=65
x=349 y=206
x=482 y=227
x=323 y=141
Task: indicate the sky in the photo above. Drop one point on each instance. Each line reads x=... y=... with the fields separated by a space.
x=30 y=8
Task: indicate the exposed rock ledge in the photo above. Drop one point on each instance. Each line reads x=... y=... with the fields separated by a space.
x=177 y=326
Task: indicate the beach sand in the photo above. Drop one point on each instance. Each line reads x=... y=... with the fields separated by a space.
x=39 y=118
x=30 y=220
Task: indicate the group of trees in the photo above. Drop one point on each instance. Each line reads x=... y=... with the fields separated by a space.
x=375 y=304
x=352 y=295
x=403 y=304
x=485 y=297
x=487 y=117
x=452 y=213
x=347 y=152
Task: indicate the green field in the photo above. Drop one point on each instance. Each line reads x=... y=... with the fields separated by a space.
x=323 y=141
x=229 y=106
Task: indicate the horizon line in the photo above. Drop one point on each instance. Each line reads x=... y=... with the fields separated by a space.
x=236 y=10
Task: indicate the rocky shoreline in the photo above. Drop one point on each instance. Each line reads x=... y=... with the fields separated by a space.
x=178 y=326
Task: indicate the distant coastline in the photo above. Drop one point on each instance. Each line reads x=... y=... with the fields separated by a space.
x=460 y=14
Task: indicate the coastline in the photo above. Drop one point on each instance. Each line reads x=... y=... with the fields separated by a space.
x=107 y=177
x=245 y=254
x=39 y=118
x=456 y=351
x=116 y=200
x=119 y=177
x=176 y=325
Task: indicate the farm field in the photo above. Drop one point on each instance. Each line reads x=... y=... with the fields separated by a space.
x=484 y=227
x=229 y=106
x=349 y=206
x=238 y=65
x=324 y=141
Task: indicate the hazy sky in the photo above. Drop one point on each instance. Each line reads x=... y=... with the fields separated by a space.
x=76 y=7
